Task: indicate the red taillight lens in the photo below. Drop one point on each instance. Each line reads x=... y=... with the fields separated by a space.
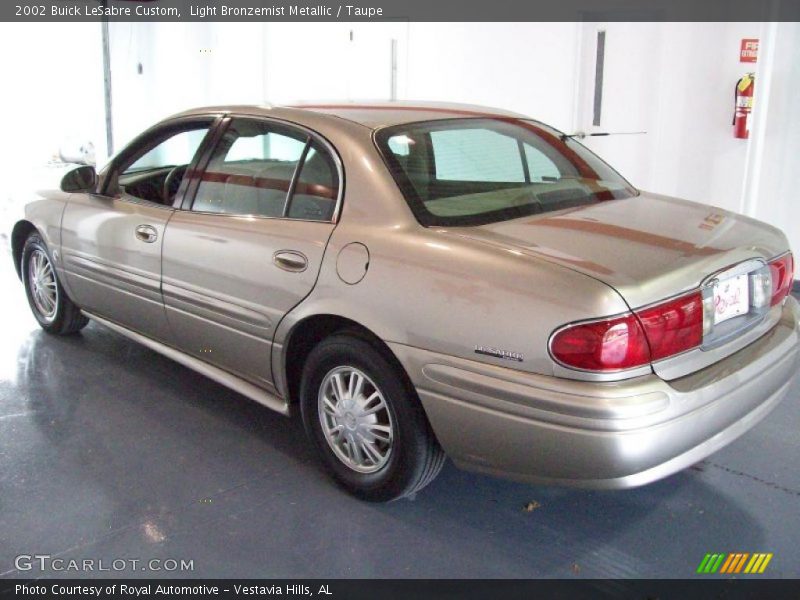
x=782 y=270
x=602 y=345
x=632 y=340
x=673 y=327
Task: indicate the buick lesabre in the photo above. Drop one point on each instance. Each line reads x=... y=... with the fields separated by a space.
x=426 y=280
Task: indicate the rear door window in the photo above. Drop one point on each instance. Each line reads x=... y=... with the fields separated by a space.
x=250 y=171
x=263 y=169
x=316 y=190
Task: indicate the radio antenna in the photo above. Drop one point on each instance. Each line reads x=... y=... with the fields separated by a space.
x=582 y=134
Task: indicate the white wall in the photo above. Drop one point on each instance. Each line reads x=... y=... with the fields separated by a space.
x=675 y=81
x=52 y=92
x=339 y=61
x=775 y=195
x=629 y=94
x=52 y=97
x=528 y=67
x=195 y=64
x=182 y=65
x=706 y=163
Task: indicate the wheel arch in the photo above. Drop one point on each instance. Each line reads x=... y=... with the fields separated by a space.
x=310 y=331
x=21 y=231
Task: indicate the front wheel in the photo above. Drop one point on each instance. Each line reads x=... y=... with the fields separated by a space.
x=365 y=422
x=51 y=306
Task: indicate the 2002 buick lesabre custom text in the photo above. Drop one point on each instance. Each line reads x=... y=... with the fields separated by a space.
x=426 y=280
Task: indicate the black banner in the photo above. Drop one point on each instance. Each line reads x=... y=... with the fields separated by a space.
x=403 y=589
x=400 y=10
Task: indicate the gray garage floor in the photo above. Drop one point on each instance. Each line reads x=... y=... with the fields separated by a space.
x=109 y=451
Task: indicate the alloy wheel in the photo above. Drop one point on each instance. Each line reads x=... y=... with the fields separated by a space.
x=43 y=286
x=355 y=419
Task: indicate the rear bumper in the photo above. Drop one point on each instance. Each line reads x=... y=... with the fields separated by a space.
x=601 y=435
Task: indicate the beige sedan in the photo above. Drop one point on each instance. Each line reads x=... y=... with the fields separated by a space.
x=422 y=281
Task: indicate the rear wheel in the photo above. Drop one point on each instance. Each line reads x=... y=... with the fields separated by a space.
x=365 y=421
x=51 y=306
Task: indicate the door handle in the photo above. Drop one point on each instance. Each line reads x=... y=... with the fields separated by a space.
x=146 y=233
x=290 y=260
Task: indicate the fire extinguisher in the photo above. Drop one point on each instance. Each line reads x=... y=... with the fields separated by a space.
x=743 y=105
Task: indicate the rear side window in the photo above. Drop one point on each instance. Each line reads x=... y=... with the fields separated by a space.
x=316 y=189
x=267 y=170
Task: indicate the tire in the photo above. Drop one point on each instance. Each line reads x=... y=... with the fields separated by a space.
x=51 y=306
x=342 y=432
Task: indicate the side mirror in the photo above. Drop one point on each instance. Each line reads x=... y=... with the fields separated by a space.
x=81 y=179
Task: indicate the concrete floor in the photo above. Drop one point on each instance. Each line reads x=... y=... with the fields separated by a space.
x=108 y=450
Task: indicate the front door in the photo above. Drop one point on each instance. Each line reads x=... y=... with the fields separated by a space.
x=111 y=242
x=249 y=247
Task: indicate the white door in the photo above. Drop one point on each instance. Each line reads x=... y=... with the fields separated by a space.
x=617 y=93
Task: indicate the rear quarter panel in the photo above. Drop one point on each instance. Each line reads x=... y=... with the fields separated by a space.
x=426 y=289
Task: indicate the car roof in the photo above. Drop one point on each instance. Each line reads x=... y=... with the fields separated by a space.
x=373 y=115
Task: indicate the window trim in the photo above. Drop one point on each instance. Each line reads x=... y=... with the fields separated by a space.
x=301 y=163
x=310 y=136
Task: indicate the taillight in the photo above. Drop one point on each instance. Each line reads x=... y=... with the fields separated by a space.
x=608 y=345
x=673 y=327
x=632 y=340
x=782 y=270
x=663 y=330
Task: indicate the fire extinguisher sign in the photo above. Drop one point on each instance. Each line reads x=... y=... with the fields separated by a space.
x=748 y=51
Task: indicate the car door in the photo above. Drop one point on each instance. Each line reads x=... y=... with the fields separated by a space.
x=111 y=241
x=248 y=246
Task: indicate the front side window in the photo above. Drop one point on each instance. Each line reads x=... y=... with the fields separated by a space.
x=477 y=171
x=257 y=166
x=176 y=150
x=155 y=173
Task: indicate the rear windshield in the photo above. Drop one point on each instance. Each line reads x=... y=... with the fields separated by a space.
x=478 y=171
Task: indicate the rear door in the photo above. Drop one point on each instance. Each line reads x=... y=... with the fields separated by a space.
x=248 y=245
x=112 y=241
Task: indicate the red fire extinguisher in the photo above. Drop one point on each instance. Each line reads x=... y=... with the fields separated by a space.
x=743 y=105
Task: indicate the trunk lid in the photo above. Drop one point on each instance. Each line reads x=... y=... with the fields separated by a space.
x=648 y=248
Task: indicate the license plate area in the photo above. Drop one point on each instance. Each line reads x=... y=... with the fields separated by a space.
x=731 y=298
x=734 y=301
